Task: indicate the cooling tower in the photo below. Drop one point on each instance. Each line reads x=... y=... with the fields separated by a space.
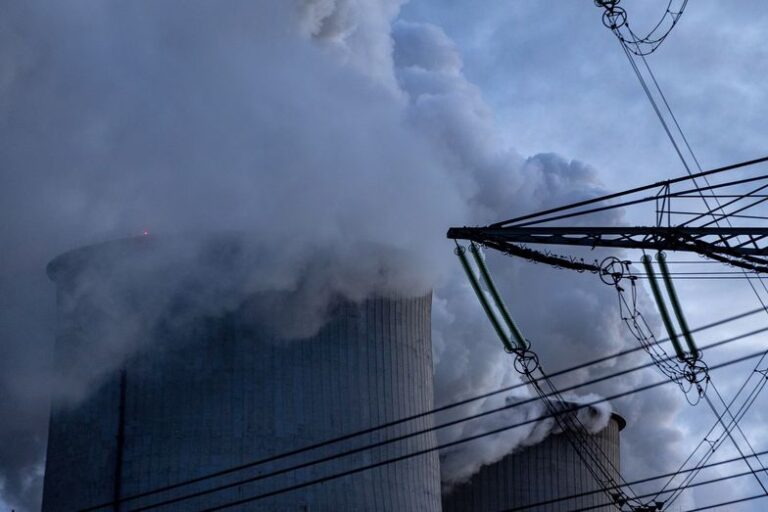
x=205 y=390
x=539 y=474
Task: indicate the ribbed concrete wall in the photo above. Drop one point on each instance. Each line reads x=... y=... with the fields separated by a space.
x=549 y=470
x=215 y=392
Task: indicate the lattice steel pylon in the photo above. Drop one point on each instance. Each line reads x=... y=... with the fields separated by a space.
x=677 y=228
x=712 y=242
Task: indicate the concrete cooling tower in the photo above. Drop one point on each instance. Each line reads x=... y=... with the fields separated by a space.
x=530 y=478
x=207 y=389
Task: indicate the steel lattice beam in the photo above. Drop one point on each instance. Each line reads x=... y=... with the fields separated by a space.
x=692 y=239
x=711 y=242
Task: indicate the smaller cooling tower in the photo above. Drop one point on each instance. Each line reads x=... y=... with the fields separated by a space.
x=546 y=471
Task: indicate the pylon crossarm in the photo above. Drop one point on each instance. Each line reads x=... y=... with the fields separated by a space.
x=706 y=241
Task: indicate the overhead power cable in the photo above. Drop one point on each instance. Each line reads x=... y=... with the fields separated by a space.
x=656 y=109
x=725 y=205
x=724 y=216
x=719 y=196
x=710 y=278
x=685 y=357
x=701 y=273
x=647 y=495
x=616 y=19
x=741 y=432
x=646 y=199
x=425 y=451
x=725 y=503
x=743 y=409
x=443 y=408
x=689 y=262
x=729 y=434
x=713 y=446
x=572 y=408
x=516 y=221
x=689 y=486
x=690 y=151
x=693 y=177
x=718 y=215
x=526 y=363
x=584 y=494
x=716 y=219
x=402 y=437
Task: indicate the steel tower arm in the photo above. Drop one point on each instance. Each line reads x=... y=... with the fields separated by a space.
x=713 y=242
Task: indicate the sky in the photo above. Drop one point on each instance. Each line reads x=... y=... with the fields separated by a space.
x=557 y=80
x=432 y=113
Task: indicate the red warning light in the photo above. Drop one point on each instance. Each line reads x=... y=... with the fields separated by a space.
x=146 y=232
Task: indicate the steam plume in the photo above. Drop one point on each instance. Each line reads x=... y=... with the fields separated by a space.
x=331 y=134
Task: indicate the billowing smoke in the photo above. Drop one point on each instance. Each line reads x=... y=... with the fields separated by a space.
x=502 y=183
x=332 y=135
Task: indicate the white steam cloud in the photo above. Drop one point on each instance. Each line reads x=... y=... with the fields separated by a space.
x=333 y=135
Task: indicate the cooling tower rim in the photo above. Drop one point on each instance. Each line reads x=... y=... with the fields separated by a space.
x=618 y=418
x=105 y=256
x=72 y=261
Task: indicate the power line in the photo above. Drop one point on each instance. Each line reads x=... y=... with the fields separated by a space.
x=729 y=434
x=526 y=363
x=691 y=152
x=580 y=440
x=384 y=442
x=400 y=421
x=729 y=203
x=409 y=435
x=707 y=276
x=724 y=503
x=713 y=278
x=701 y=272
x=634 y=482
x=648 y=94
x=743 y=435
x=718 y=196
x=573 y=408
x=701 y=261
x=733 y=214
x=631 y=191
x=697 y=484
x=606 y=504
x=630 y=203
x=696 y=469
x=743 y=409
x=716 y=220
x=615 y=18
x=721 y=215
x=452 y=443
x=695 y=159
